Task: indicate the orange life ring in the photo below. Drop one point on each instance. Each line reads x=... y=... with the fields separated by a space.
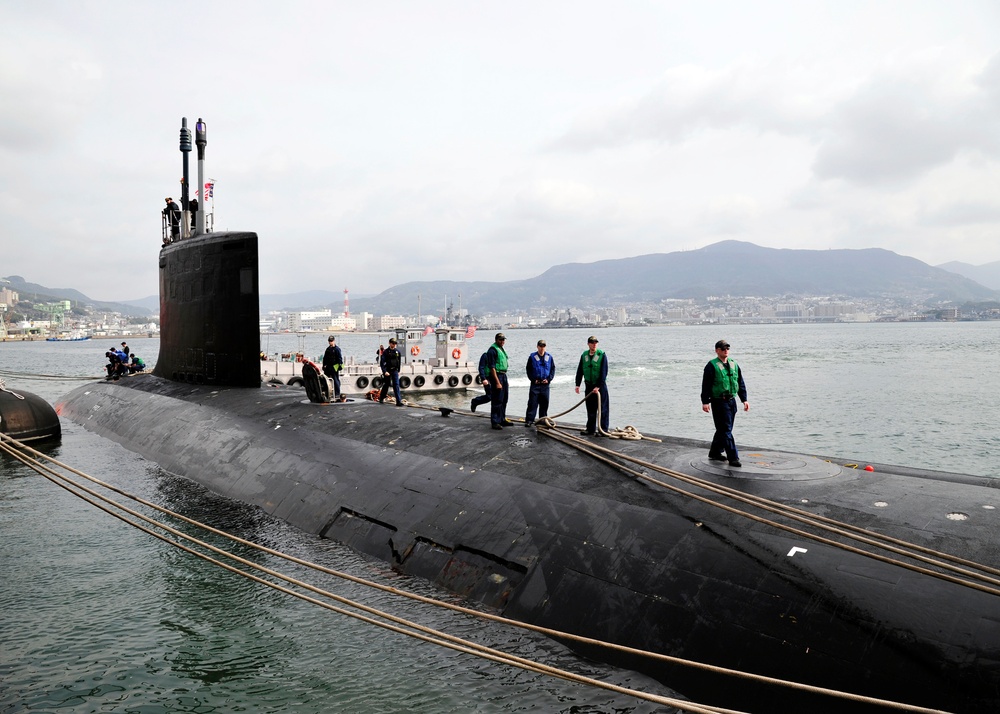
x=415 y=350
x=456 y=353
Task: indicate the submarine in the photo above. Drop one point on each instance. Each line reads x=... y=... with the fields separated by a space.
x=882 y=584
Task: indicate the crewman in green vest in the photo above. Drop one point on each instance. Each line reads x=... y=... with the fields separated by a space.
x=496 y=363
x=721 y=383
x=593 y=372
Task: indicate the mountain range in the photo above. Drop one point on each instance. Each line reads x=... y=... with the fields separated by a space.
x=988 y=275
x=733 y=268
x=40 y=293
x=729 y=268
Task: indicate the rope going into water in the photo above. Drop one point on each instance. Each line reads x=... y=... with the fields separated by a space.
x=399 y=625
x=7 y=445
x=44 y=377
x=3 y=388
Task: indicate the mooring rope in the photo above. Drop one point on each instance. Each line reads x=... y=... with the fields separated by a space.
x=400 y=625
x=429 y=635
x=894 y=545
x=3 y=388
x=45 y=377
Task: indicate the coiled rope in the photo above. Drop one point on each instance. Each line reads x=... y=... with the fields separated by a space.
x=400 y=625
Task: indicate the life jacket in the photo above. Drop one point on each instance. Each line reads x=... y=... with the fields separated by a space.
x=541 y=366
x=501 y=363
x=592 y=366
x=727 y=379
x=391 y=359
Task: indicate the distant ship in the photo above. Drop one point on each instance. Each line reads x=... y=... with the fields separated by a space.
x=68 y=338
x=883 y=584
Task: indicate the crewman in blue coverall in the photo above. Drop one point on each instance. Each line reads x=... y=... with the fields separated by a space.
x=541 y=369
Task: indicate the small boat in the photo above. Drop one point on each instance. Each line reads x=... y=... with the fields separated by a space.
x=445 y=367
x=68 y=338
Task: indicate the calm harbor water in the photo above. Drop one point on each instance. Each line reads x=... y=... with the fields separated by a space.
x=99 y=617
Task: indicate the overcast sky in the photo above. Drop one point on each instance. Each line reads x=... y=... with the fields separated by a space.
x=373 y=143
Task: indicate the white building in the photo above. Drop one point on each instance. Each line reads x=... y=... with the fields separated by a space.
x=319 y=320
x=346 y=324
x=389 y=322
x=363 y=320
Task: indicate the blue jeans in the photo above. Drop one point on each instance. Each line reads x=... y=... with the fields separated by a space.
x=498 y=400
x=538 y=399
x=724 y=414
x=592 y=408
x=484 y=398
x=335 y=376
x=394 y=378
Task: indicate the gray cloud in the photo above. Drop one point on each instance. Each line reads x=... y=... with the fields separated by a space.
x=896 y=127
x=412 y=139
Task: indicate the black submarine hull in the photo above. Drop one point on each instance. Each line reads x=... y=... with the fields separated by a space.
x=549 y=535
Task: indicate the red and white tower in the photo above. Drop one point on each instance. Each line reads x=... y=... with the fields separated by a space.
x=347 y=311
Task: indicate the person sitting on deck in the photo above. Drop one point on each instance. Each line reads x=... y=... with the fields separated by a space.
x=136 y=365
x=116 y=367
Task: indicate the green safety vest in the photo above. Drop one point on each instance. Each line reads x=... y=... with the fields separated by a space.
x=727 y=381
x=592 y=366
x=501 y=365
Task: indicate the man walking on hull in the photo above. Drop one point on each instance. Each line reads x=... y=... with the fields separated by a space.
x=389 y=363
x=593 y=372
x=484 y=378
x=333 y=362
x=721 y=383
x=496 y=363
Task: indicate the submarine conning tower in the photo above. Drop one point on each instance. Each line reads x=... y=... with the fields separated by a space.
x=209 y=301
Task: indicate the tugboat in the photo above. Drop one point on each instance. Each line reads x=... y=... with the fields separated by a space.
x=447 y=369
